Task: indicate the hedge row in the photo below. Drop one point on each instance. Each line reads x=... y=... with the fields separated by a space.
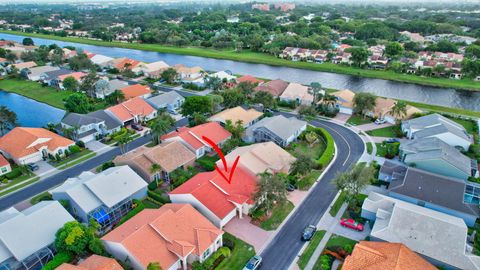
x=157 y=197
x=329 y=152
x=59 y=259
x=214 y=260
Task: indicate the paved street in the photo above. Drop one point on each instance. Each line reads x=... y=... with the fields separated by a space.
x=61 y=176
x=283 y=249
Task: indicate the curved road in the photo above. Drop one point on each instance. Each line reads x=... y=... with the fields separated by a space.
x=283 y=249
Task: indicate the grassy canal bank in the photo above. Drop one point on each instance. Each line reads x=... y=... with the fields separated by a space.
x=262 y=58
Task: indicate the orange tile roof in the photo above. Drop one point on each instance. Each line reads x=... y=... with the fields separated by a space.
x=94 y=262
x=192 y=136
x=383 y=255
x=217 y=194
x=249 y=78
x=76 y=75
x=127 y=63
x=22 y=141
x=136 y=90
x=3 y=161
x=162 y=235
x=130 y=108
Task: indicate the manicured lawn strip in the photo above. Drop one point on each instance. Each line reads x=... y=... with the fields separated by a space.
x=82 y=156
x=381 y=150
x=356 y=120
x=279 y=213
x=17 y=180
x=36 y=91
x=307 y=181
x=469 y=125
x=241 y=253
x=338 y=204
x=369 y=147
x=388 y=132
x=339 y=241
x=262 y=58
x=442 y=109
x=17 y=187
x=308 y=252
x=313 y=151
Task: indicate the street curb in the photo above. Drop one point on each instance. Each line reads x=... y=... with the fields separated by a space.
x=296 y=207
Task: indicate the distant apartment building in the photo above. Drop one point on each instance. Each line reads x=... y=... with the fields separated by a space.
x=262 y=7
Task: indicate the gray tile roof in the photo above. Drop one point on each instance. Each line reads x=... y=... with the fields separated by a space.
x=431 y=120
x=24 y=233
x=394 y=170
x=37 y=71
x=433 y=188
x=163 y=100
x=280 y=125
x=110 y=122
x=78 y=120
x=51 y=75
x=434 y=148
x=440 y=129
x=90 y=191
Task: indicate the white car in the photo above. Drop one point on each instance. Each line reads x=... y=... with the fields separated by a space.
x=380 y=121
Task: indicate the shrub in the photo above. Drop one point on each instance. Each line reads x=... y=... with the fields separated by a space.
x=325 y=262
x=327 y=155
x=13 y=174
x=158 y=197
x=212 y=261
x=57 y=157
x=50 y=156
x=74 y=149
x=153 y=185
x=80 y=144
x=66 y=152
x=58 y=259
x=107 y=165
x=206 y=163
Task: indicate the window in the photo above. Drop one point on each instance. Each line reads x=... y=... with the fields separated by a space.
x=60 y=151
x=4 y=169
x=206 y=254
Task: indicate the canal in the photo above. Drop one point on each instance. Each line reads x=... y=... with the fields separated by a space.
x=424 y=94
x=30 y=113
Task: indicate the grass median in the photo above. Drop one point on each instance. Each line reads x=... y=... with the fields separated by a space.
x=308 y=252
x=263 y=58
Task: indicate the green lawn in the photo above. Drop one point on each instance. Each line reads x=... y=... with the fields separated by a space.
x=442 y=109
x=308 y=252
x=279 y=213
x=339 y=241
x=383 y=132
x=307 y=181
x=313 y=151
x=263 y=58
x=241 y=253
x=19 y=186
x=36 y=91
x=381 y=150
x=44 y=196
x=469 y=125
x=369 y=147
x=73 y=159
x=337 y=204
x=356 y=120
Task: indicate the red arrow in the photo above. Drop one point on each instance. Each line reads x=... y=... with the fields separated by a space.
x=224 y=161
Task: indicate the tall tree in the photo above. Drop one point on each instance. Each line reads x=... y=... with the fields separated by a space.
x=78 y=103
x=27 y=42
x=233 y=98
x=364 y=102
x=359 y=56
x=70 y=83
x=302 y=165
x=399 y=110
x=393 y=49
x=78 y=239
x=161 y=125
x=354 y=181
x=270 y=191
x=316 y=88
x=115 y=98
x=264 y=98
x=88 y=83
x=8 y=120
x=196 y=104
x=169 y=75
x=236 y=129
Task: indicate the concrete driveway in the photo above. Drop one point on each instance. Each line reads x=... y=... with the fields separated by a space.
x=97 y=146
x=371 y=126
x=342 y=117
x=246 y=231
x=44 y=168
x=352 y=234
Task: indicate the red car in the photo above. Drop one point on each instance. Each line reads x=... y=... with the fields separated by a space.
x=352 y=224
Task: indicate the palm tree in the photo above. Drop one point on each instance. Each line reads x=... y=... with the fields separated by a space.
x=116 y=97
x=329 y=100
x=123 y=143
x=8 y=119
x=399 y=110
x=160 y=126
x=154 y=169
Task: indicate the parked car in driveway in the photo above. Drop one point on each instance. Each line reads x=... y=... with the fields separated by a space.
x=392 y=140
x=309 y=232
x=352 y=224
x=32 y=167
x=290 y=187
x=380 y=121
x=137 y=127
x=254 y=263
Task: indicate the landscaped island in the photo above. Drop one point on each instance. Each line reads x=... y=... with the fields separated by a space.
x=267 y=59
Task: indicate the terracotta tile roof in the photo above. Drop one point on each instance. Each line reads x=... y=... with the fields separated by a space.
x=22 y=141
x=136 y=90
x=215 y=193
x=169 y=155
x=3 y=161
x=162 y=235
x=130 y=108
x=249 y=78
x=275 y=87
x=123 y=63
x=237 y=114
x=192 y=136
x=94 y=262
x=383 y=255
x=23 y=65
x=76 y=75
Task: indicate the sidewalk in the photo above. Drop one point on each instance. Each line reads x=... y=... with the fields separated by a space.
x=328 y=223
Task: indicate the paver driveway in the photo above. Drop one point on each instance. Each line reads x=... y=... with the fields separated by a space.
x=246 y=231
